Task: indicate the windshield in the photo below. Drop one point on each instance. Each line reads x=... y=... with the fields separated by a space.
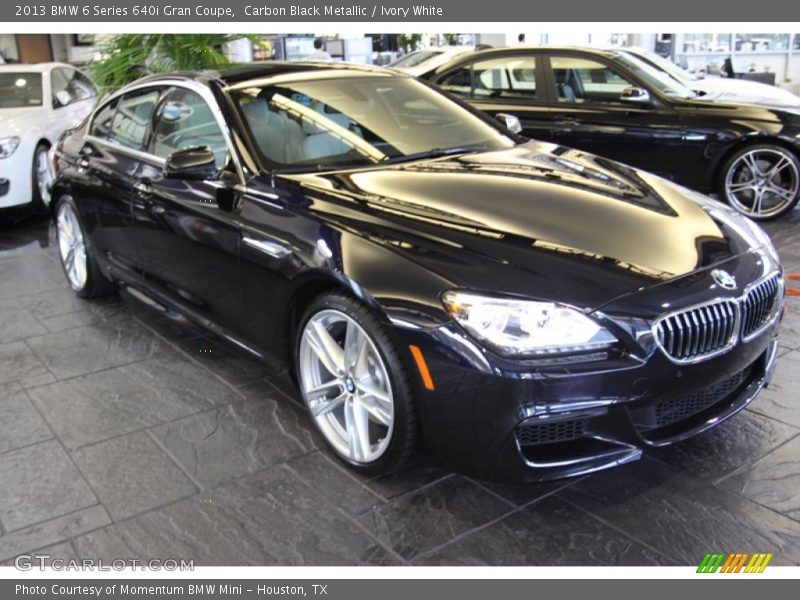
x=20 y=90
x=415 y=58
x=655 y=78
x=358 y=121
x=663 y=64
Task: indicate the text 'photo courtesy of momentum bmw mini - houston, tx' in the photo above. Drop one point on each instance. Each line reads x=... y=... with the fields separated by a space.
x=522 y=310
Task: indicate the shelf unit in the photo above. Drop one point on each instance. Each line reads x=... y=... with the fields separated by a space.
x=779 y=61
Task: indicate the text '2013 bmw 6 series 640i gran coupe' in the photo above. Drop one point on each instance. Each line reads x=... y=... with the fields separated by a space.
x=521 y=310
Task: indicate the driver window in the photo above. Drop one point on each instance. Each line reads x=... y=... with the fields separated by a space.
x=579 y=80
x=75 y=83
x=184 y=120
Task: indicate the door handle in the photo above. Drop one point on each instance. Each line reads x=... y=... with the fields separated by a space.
x=567 y=122
x=143 y=188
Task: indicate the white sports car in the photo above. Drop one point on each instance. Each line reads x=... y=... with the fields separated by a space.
x=737 y=90
x=37 y=103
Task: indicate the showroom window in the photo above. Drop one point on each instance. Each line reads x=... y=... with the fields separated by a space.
x=580 y=80
x=184 y=120
x=75 y=83
x=510 y=78
x=129 y=126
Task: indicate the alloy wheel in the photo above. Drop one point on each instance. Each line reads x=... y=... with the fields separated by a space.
x=346 y=386
x=71 y=246
x=43 y=175
x=762 y=182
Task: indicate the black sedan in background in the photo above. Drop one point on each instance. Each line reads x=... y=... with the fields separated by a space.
x=523 y=310
x=613 y=104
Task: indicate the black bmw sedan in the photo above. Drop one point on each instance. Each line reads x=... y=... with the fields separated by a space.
x=521 y=310
x=613 y=104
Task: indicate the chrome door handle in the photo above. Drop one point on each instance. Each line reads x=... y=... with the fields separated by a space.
x=143 y=188
x=273 y=249
x=567 y=123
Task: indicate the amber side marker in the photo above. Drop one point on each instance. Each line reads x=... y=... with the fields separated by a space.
x=793 y=277
x=422 y=366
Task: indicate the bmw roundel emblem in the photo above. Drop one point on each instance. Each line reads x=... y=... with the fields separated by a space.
x=724 y=279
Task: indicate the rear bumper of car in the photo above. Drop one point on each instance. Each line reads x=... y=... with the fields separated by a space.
x=562 y=420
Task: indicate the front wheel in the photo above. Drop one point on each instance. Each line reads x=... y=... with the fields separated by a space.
x=355 y=386
x=76 y=253
x=762 y=181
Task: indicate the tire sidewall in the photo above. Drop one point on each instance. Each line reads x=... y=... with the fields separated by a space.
x=37 y=202
x=736 y=156
x=402 y=395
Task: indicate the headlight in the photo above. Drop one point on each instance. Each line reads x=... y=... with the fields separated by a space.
x=8 y=146
x=525 y=327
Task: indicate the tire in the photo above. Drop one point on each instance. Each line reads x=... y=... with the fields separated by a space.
x=82 y=271
x=761 y=181
x=354 y=399
x=41 y=178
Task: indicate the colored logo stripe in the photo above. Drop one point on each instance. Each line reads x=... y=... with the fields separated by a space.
x=735 y=562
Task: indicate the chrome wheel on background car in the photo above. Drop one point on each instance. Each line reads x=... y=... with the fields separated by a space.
x=346 y=386
x=762 y=182
x=42 y=176
x=71 y=247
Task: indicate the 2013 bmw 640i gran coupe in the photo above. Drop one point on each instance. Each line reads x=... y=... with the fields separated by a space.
x=522 y=310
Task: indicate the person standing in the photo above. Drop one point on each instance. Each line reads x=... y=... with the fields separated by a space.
x=319 y=52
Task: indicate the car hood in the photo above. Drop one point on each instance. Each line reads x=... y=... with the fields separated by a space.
x=16 y=120
x=558 y=220
x=742 y=90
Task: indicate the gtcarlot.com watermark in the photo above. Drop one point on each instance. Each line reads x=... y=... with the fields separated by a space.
x=30 y=562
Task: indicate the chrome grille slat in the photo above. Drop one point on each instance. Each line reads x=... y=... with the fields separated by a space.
x=703 y=331
x=698 y=332
x=759 y=306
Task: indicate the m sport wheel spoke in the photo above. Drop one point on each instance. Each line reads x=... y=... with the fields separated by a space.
x=346 y=386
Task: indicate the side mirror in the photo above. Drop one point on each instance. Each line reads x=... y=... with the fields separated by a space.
x=635 y=95
x=63 y=98
x=512 y=122
x=196 y=164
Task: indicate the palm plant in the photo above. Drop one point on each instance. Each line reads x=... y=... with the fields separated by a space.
x=126 y=57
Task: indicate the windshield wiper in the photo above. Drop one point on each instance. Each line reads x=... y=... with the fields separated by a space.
x=435 y=153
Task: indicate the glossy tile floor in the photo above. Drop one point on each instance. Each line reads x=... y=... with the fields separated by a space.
x=124 y=434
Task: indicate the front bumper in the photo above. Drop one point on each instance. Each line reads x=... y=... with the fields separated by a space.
x=559 y=420
x=16 y=187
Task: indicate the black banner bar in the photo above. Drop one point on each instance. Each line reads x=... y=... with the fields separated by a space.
x=444 y=11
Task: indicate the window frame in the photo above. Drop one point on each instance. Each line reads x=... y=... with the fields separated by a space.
x=658 y=101
x=167 y=84
x=543 y=92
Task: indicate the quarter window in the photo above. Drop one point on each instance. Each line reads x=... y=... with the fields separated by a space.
x=511 y=78
x=580 y=80
x=184 y=120
x=130 y=123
